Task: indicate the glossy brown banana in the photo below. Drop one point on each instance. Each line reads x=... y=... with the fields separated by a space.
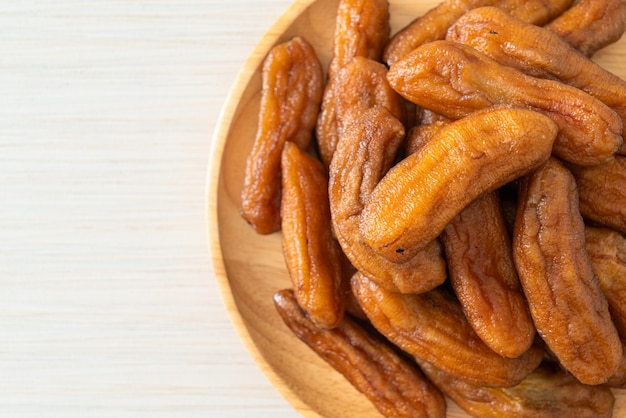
x=316 y=264
x=360 y=84
x=570 y=311
x=364 y=154
x=292 y=83
x=419 y=196
x=482 y=273
x=548 y=392
x=590 y=25
x=607 y=250
x=433 y=25
x=538 y=52
x=394 y=386
x=432 y=327
x=455 y=80
x=602 y=191
x=361 y=30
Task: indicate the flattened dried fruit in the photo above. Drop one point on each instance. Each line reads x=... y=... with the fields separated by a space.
x=394 y=386
x=607 y=251
x=316 y=264
x=433 y=25
x=364 y=154
x=421 y=194
x=361 y=30
x=548 y=392
x=360 y=85
x=567 y=305
x=590 y=25
x=602 y=191
x=538 y=52
x=427 y=28
x=432 y=327
x=290 y=99
x=455 y=80
x=482 y=273
x=363 y=83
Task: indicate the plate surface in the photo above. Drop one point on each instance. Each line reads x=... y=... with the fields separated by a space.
x=249 y=267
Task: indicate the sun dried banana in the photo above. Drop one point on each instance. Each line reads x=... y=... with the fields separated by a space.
x=548 y=392
x=416 y=199
x=316 y=264
x=602 y=191
x=421 y=134
x=455 y=80
x=360 y=84
x=482 y=273
x=292 y=84
x=433 y=25
x=618 y=379
x=607 y=250
x=361 y=30
x=432 y=327
x=395 y=386
x=364 y=85
x=590 y=25
x=364 y=154
x=570 y=311
x=538 y=52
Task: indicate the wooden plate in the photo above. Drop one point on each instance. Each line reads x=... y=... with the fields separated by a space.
x=249 y=267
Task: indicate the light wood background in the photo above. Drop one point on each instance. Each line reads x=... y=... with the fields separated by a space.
x=108 y=307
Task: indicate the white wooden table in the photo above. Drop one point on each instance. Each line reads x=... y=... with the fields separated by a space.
x=108 y=307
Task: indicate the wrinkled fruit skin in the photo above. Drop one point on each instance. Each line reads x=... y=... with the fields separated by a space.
x=433 y=25
x=419 y=196
x=432 y=327
x=482 y=273
x=292 y=85
x=393 y=385
x=607 y=251
x=602 y=191
x=456 y=80
x=548 y=392
x=567 y=305
x=538 y=52
x=590 y=25
x=316 y=264
x=364 y=154
x=358 y=86
x=361 y=30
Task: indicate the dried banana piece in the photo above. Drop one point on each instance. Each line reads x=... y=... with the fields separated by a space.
x=538 y=52
x=607 y=250
x=618 y=379
x=421 y=194
x=548 y=392
x=590 y=25
x=363 y=83
x=427 y=28
x=482 y=273
x=394 y=386
x=364 y=154
x=291 y=92
x=432 y=327
x=602 y=191
x=361 y=30
x=455 y=80
x=567 y=305
x=316 y=264
x=360 y=84
x=433 y=25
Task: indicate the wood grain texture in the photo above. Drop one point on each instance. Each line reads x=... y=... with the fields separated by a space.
x=108 y=303
x=250 y=267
